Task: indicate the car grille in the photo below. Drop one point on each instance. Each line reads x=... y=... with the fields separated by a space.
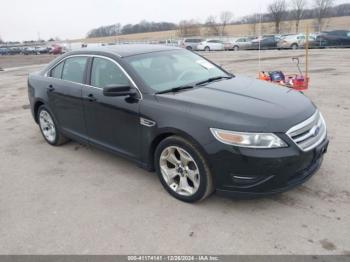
x=310 y=133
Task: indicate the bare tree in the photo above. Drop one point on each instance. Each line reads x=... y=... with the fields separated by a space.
x=188 y=28
x=322 y=8
x=277 y=10
x=212 y=26
x=298 y=8
x=225 y=18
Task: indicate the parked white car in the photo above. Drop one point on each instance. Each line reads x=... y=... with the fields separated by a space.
x=211 y=45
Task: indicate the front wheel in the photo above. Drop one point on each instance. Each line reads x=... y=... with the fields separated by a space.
x=236 y=48
x=48 y=128
x=182 y=170
x=207 y=49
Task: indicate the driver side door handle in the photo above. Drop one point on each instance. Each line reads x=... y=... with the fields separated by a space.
x=51 y=88
x=91 y=98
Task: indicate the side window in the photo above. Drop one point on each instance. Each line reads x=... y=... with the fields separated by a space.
x=74 y=68
x=106 y=73
x=56 y=72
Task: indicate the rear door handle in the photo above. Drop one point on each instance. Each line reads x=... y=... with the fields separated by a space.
x=91 y=98
x=51 y=88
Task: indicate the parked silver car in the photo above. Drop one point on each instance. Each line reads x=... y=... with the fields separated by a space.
x=242 y=43
x=211 y=45
x=294 y=41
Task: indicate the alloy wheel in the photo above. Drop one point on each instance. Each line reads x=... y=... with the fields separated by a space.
x=179 y=170
x=47 y=126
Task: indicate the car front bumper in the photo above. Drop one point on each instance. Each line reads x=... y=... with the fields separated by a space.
x=250 y=173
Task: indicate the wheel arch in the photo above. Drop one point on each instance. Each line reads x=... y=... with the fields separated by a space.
x=168 y=132
x=36 y=107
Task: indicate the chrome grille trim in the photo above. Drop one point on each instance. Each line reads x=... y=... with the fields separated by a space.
x=309 y=133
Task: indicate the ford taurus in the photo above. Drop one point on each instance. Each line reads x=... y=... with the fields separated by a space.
x=201 y=128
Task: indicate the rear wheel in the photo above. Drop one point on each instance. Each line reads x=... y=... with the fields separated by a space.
x=49 y=129
x=294 y=46
x=182 y=170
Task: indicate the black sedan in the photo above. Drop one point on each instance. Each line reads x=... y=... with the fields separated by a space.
x=265 y=42
x=170 y=110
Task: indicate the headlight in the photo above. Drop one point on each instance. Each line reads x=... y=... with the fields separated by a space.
x=253 y=140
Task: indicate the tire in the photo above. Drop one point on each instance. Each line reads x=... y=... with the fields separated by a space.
x=236 y=48
x=191 y=179
x=49 y=128
x=294 y=46
x=189 y=48
x=207 y=49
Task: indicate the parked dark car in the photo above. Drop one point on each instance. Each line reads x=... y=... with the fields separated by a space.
x=14 y=50
x=42 y=49
x=4 y=51
x=337 y=38
x=265 y=42
x=30 y=51
x=170 y=110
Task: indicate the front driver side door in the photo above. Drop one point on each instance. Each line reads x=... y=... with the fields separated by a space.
x=112 y=122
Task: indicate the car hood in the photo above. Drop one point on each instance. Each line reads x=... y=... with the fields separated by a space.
x=244 y=104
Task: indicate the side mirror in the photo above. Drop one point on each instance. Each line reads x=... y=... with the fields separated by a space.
x=118 y=90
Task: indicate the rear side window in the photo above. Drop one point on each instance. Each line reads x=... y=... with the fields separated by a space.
x=106 y=73
x=193 y=40
x=56 y=72
x=74 y=68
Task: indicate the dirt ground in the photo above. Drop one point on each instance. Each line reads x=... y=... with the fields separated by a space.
x=76 y=199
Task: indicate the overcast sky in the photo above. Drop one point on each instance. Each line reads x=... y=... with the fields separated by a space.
x=27 y=19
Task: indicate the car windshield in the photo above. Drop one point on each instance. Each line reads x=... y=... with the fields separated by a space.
x=170 y=69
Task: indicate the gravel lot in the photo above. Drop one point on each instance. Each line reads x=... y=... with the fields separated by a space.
x=76 y=199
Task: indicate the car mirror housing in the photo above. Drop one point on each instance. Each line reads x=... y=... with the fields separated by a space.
x=118 y=90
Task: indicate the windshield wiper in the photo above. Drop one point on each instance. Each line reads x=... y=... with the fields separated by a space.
x=176 y=89
x=212 y=79
x=179 y=88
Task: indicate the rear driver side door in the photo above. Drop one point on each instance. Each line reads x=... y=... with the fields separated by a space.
x=64 y=88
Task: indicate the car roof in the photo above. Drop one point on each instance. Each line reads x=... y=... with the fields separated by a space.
x=124 y=50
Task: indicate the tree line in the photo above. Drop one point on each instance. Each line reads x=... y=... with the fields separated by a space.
x=277 y=12
x=142 y=27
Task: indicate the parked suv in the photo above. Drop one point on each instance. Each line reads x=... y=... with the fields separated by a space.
x=191 y=43
x=337 y=38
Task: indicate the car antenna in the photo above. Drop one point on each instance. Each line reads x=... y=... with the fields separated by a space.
x=260 y=36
